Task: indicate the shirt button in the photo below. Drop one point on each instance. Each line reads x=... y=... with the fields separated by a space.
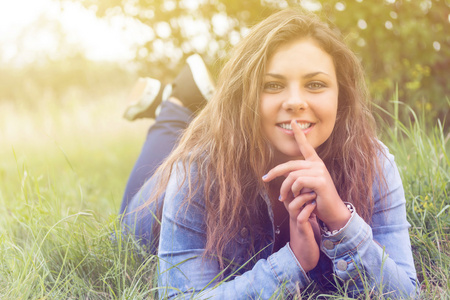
x=244 y=232
x=342 y=265
x=328 y=244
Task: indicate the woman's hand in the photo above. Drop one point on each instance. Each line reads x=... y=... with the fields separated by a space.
x=307 y=175
x=304 y=230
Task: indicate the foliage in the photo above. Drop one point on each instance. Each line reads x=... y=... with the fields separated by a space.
x=424 y=165
x=400 y=42
x=58 y=79
x=60 y=192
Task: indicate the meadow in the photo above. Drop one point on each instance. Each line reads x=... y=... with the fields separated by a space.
x=63 y=169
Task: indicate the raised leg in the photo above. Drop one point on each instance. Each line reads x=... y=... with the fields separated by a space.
x=161 y=139
x=191 y=89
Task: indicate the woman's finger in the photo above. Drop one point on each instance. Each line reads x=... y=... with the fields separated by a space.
x=306 y=148
x=298 y=203
x=286 y=168
x=287 y=186
x=305 y=213
x=305 y=184
x=285 y=189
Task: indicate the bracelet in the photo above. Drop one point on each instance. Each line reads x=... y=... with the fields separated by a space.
x=324 y=227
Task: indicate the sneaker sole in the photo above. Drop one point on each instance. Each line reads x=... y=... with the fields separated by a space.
x=201 y=76
x=141 y=97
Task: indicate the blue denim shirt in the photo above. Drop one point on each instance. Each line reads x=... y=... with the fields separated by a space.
x=378 y=255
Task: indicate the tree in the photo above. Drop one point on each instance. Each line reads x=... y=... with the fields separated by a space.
x=402 y=43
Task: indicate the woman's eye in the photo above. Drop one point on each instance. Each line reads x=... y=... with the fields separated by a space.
x=272 y=86
x=315 y=85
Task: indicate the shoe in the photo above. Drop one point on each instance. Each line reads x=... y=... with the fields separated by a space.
x=193 y=86
x=144 y=99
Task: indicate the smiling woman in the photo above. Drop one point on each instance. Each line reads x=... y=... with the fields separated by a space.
x=300 y=84
x=278 y=176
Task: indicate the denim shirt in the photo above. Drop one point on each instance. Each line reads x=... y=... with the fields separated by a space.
x=359 y=257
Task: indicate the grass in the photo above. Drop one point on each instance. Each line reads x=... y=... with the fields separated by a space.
x=424 y=164
x=61 y=181
x=62 y=173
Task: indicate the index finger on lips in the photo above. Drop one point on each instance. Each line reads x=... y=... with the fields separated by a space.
x=306 y=149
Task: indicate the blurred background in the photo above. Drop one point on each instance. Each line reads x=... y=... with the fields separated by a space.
x=66 y=68
x=53 y=52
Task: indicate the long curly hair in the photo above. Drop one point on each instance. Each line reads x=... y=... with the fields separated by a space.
x=225 y=141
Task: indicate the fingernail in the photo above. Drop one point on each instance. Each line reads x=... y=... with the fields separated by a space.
x=264 y=177
x=312 y=193
x=313 y=202
x=293 y=195
x=279 y=198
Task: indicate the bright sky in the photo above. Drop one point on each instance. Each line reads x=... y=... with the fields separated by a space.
x=100 y=39
x=29 y=31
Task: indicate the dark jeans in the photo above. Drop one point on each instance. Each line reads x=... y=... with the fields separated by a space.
x=162 y=136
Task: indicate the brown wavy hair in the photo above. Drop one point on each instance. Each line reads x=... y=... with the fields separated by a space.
x=225 y=141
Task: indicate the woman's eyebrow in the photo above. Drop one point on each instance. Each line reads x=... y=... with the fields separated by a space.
x=309 y=75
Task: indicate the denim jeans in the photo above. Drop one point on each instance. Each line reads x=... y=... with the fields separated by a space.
x=359 y=257
x=161 y=138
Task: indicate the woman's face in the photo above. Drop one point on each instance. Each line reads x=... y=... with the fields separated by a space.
x=300 y=84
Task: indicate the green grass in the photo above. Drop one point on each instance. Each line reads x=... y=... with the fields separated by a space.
x=62 y=173
x=422 y=155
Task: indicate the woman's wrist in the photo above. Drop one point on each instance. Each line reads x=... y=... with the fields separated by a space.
x=343 y=216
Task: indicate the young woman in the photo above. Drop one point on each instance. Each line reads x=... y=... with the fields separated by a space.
x=278 y=182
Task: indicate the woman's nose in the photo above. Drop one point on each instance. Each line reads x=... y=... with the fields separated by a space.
x=296 y=100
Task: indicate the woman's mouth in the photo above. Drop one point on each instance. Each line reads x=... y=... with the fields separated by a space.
x=288 y=126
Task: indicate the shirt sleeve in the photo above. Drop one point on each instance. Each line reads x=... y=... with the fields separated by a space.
x=184 y=271
x=376 y=258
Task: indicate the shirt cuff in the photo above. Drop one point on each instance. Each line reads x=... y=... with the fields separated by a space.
x=288 y=270
x=348 y=239
x=342 y=248
x=324 y=228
